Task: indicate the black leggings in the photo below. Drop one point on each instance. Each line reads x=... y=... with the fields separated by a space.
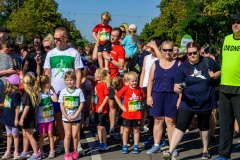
x=185 y=117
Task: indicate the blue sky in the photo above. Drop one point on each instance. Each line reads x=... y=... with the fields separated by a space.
x=86 y=13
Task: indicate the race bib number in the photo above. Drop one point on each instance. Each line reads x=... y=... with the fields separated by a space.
x=134 y=106
x=47 y=112
x=7 y=102
x=71 y=102
x=104 y=36
x=95 y=99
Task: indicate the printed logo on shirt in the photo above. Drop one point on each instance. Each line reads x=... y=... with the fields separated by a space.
x=104 y=36
x=60 y=63
x=134 y=104
x=47 y=109
x=71 y=102
x=7 y=102
x=197 y=74
x=47 y=112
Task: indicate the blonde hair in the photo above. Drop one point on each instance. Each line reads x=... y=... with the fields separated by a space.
x=132 y=74
x=43 y=80
x=167 y=43
x=10 y=87
x=107 y=14
x=125 y=77
x=70 y=74
x=117 y=83
x=63 y=30
x=31 y=87
x=104 y=76
x=49 y=38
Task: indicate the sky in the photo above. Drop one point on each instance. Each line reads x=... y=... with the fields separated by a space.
x=86 y=13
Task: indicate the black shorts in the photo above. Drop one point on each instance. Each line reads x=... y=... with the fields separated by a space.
x=106 y=47
x=100 y=119
x=131 y=123
x=111 y=93
x=27 y=124
x=78 y=121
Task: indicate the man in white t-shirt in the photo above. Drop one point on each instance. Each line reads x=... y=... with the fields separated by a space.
x=58 y=61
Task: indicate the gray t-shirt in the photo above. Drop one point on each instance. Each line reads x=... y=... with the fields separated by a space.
x=6 y=62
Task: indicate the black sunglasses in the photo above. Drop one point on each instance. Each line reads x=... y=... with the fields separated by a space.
x=167 y=50
x=236 y=21
x=47 y=47
x=192 y=53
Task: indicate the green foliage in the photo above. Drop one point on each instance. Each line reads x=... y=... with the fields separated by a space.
x=207 y=21
x=39 y=17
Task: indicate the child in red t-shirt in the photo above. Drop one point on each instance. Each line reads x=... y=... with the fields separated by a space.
x=132 y=98
x=100 y=105
x=101 y=33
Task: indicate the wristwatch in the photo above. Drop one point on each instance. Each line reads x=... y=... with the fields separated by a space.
x=110 y=59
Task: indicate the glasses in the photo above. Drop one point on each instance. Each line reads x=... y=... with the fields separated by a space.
x=58 y=39
x=167 y=50
x=192 y=53
x=234 y=22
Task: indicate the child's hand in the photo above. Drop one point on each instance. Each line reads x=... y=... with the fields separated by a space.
x=21 y=122
x=124 y=109
x=16 y=123
x=69 y=118
x=100 y=109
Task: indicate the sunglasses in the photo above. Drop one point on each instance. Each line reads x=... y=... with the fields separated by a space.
x=234 y=22
x=192 y=53
x=47 y=47
x=167 y=50
x=57 y=39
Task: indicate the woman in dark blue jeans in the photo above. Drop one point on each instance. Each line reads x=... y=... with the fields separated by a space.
x=198 y=96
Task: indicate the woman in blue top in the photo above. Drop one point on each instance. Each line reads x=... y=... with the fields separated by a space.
x=194 y=82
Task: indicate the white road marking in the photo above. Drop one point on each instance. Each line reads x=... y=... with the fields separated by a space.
x=95 y=155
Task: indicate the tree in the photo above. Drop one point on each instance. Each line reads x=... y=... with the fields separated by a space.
x=6 y=8
x=39 y=17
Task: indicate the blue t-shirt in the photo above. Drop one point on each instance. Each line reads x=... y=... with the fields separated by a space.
x=142 y=56
x=10 y=103
x=130 y=46
x=199 y=92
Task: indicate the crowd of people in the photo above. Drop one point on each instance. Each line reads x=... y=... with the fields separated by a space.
x=59 y=89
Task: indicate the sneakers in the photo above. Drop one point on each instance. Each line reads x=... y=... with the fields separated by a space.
x=111 y=132
x=124 y=149
x=75 y=155
x=68 y=156
x=236 y=134
x=51 y=155
x=175 y=153
x=23 y=155
x=206 y=155
x=149 y=142
x=135 y=149
x=34 y=157
x=81 y=151
x=103 y=147
x=167 y=156
x=153 y=150
x=7 y=155
x=144 y=129
x=222 y=158
x=163 y=143
x=41 y=154
x=60 y=147
x=96 y=145
x=15 y=155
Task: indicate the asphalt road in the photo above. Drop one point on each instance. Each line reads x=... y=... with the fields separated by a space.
x=189 y=149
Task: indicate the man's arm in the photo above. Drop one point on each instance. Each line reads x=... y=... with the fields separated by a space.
x=79 y=77
x=7 y=72
x=119 y=64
